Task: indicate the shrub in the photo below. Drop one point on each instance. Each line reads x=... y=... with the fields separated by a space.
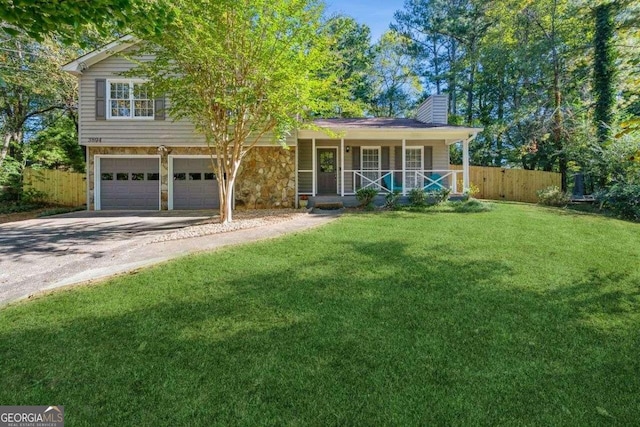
x=623 y=200
x=392 y=200
x=553 y=196
x=366 y=195
x=439 y=196
x=417 y=197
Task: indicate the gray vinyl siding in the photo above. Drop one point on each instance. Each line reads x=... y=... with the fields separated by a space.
x=434 y=110
x=128 y=132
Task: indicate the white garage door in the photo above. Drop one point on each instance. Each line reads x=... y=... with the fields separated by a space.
x=194 y=184
x=129 y=183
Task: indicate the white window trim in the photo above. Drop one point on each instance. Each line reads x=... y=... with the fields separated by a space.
x=378 y=170
x=97 y=175
x=406 y=160
x=379 y=150
x=131 y=99
x=421 y=157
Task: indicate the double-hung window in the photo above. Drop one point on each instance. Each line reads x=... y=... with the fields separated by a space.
x=129 y=99
x=413 y=168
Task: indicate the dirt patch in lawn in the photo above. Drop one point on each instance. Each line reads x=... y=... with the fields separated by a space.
x=21 y=216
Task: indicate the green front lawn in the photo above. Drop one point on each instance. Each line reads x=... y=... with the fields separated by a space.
x=518 y=316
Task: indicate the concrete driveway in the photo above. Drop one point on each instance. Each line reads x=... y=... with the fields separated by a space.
x=38 y=253
x=41 y=254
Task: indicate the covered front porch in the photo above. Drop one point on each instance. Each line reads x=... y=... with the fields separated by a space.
x=340 y=167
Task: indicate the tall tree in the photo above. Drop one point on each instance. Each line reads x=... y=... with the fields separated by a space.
x=396 y=87
x=353 y=59
x=239 y=70
x=31 y=85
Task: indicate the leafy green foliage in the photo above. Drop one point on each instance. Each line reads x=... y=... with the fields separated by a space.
x=394 y=83
x=352 y=59
x=240 y=71
x=366 y=195
x=34 y=93
x=535 y=113
x=392 y=200
x=71 y=20
x=621 y=199
x=438 y=196
x=553 y=196
x=56 y=146
x=417 y=197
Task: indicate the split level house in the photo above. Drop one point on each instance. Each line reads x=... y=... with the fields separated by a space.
x=139 y=158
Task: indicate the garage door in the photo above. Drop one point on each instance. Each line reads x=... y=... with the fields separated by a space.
x=194 y=184
x=129 y=183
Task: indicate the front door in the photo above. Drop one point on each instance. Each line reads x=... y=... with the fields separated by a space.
x=327 y=171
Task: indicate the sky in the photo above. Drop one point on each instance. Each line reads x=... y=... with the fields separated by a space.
x=377 y=14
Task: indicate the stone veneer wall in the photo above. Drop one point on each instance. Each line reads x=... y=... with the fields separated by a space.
x=266 y=178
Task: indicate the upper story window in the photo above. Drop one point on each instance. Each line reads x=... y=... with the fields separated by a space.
x=129 y=99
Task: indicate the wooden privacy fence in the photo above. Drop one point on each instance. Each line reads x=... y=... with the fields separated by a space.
x=59 y=187
x=517 y=185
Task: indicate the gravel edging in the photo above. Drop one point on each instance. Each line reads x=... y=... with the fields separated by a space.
x=241 y=221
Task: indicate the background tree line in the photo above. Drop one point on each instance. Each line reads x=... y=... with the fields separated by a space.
x=554 y=83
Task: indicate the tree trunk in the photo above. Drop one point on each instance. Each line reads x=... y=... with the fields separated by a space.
x=604 y=70
x=500 y=118
x=452 y=78
x=436 y=65
x=228 y=170
x=5 y=147
x=472 y=76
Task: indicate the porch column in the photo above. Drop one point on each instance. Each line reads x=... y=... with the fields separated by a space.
x=404 y=162
x=313 y=167
x=341 y=167
x=295 y=203
x=465 y=164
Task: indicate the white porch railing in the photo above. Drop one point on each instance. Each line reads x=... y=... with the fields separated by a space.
x=385 y=181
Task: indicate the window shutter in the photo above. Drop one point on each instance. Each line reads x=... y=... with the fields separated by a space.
x=397 y=177
x=355 y=157
x=101 y=99
x=428 y=158
x=159 y=109
x=385 y=165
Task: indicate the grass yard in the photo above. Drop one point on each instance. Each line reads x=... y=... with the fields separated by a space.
x=518 y=316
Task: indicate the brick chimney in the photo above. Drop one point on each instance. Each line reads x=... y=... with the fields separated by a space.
x=434 y=110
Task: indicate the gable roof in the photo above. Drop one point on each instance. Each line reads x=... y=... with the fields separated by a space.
x=77 y=66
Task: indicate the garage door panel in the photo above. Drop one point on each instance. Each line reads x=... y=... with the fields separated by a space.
x=194 y=184
x=129 y=183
